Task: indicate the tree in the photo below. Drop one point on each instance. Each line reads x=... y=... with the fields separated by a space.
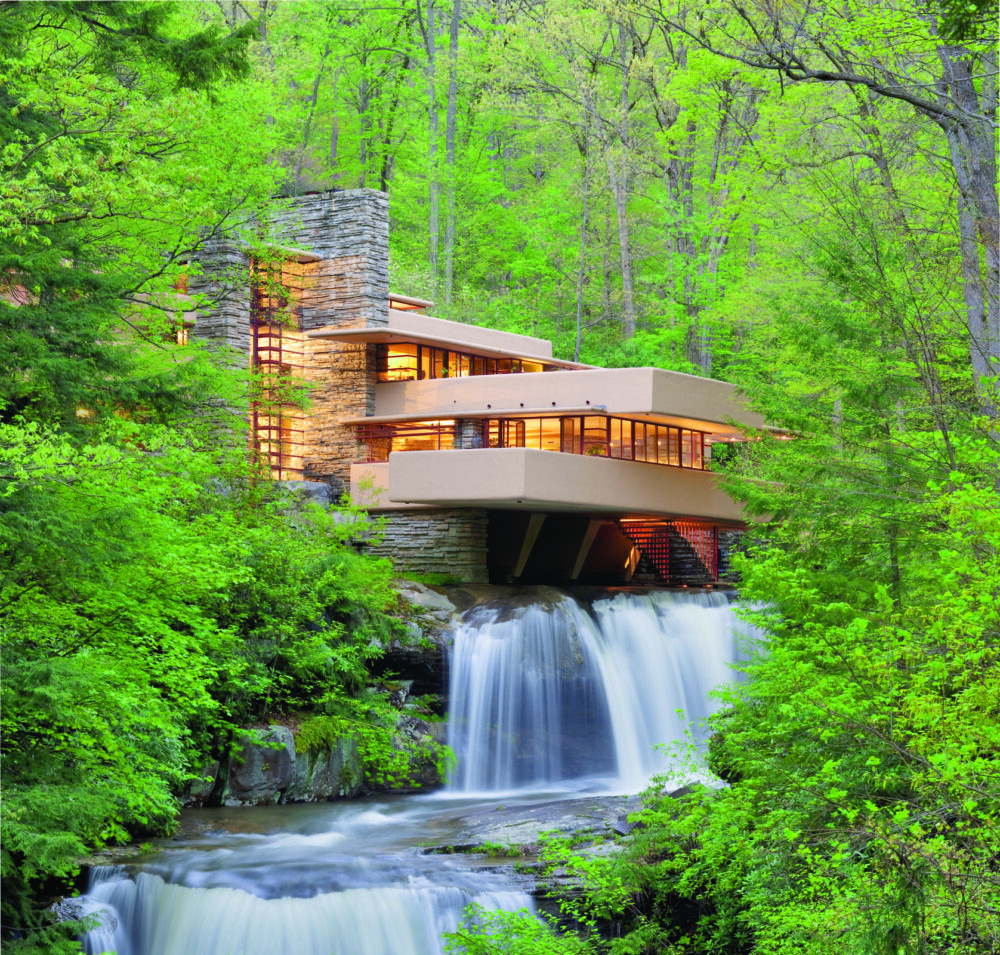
x=953 y=86
x=153 y=594
x=115 y=169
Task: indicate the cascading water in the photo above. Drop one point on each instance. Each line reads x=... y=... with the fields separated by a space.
x=352 y=883
x=544 y=695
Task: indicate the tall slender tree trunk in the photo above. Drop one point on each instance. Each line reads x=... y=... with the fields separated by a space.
x=434 y=190
x=973 y=158
x=620 y=185
x=300 y=159
x=607 y=310
x=583 y=232
x=449 y=136
x=619 y=192
x=364 y=122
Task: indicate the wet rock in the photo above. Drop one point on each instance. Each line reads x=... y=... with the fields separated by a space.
x=71 y=909
x=400 y=693
x=327 y=774
x=426 y=603
x=590 y=819
x=261 y=772
x=419 y=738
x=197 y=791
x=622 y=826
x=269 y=770
x=438 y=731
x=317 y=491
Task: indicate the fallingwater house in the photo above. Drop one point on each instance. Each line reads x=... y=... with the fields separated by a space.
x=489 y=459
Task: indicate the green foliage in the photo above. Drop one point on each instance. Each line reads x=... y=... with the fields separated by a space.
x=124 y=148
x=435 y=579
x=154 y=598
x=499 y=850
x=862 y=750
x=510 y=933
x=51 y=938
x=149 y=608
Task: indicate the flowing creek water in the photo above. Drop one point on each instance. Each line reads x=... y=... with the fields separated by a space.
x=548 y=699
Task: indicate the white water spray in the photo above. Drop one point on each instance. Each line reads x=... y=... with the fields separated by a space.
x=147 y=916
x=546 y=696
x=543 y=696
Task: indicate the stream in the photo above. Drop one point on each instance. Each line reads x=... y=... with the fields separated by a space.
x=554 y=703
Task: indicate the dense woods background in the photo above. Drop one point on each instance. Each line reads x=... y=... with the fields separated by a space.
x=800 y=198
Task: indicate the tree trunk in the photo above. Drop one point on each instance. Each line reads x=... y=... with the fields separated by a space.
x=974 y=162
x=620 y=187
x=434 y=186
x=583 y=235
x=364 y=126
x=449 y=135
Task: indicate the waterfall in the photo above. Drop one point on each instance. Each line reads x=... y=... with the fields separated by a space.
x=547 y=695
x=147 y=916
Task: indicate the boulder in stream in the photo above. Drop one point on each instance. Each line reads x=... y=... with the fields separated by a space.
x=261 y=772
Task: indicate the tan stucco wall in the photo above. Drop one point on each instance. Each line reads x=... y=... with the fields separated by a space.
x=699 y=403
x=525 y=478
x=370 y=488
x=414 y=323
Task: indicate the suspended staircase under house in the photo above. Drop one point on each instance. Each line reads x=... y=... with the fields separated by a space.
x=679 y=552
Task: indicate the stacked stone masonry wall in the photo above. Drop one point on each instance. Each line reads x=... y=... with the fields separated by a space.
x=342 y=384
x=224 y=280
x=437 y=542
x=349 y=288
x=349 y=230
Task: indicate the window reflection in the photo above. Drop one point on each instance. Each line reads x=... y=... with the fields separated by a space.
x=598 y=436
x=413 y=362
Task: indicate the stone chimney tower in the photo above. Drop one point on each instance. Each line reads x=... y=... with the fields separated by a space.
x=331 y=250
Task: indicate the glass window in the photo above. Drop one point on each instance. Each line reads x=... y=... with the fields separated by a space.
x=478 y=365
x=550 y=438
x=651 y=443
x=639 y=442
x=615 y=445
x=595 y=436
x=397 y=362
x=662 y=452
x=439 y=363
x=627 y=438
x=697 y=446
x=674 y=445
x=493 y=434
x=425 y=363
x=685 y=449
x=570 y=435
x=429 y=440
x=530 y=366
x=532 y=433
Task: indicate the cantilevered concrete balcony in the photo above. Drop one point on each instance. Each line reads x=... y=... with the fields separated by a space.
x=411 y=326
x=652 y=393
x=529 y=479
